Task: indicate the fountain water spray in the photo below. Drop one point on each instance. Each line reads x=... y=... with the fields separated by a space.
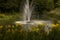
x=27 y=11
x=27 y=15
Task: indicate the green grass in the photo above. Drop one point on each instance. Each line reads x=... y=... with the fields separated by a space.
x=9 y=18
x=16 y=32
x=11 y=31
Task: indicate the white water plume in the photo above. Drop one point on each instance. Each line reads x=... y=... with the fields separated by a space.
x=27 y=22
x=27 y=11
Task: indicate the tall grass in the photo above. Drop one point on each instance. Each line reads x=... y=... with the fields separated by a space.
x=17 y=32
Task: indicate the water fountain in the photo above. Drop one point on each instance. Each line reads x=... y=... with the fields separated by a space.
x=27 y=15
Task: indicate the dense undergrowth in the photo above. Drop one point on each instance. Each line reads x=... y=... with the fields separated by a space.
x=11 y=31
x=17 y=32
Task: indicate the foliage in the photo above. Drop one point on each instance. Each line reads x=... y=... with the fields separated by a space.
x=9 y=5
x=15 y=5
x=43 y=8
x=17 y=32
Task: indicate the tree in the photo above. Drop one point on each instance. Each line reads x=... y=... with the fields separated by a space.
x=8 y=5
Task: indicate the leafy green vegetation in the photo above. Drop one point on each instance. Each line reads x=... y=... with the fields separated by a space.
x=11 y=11
x=16 y=32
